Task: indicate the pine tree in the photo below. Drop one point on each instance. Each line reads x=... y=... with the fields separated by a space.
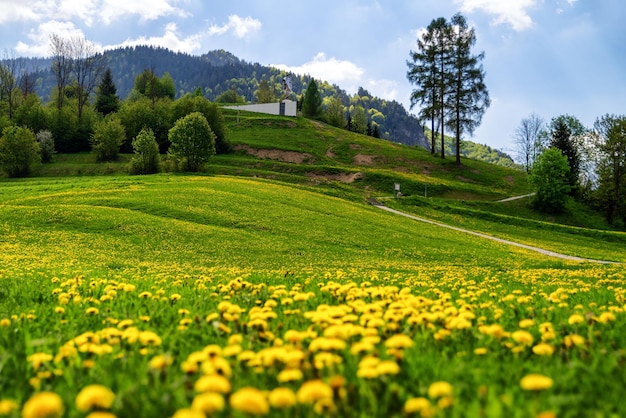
x=562 y=140
x=107 y=100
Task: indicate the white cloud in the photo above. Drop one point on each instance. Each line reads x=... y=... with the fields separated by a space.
x=40 y=37
x=87 y=11
x=385 y=89
x=327 y=69
x=171 y=39
x=240 y=27
x=345 y=74
x=17 y=11
x=513 y=12
x=110 y=10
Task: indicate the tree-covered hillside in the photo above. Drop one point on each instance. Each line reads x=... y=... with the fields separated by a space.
x=218 y=72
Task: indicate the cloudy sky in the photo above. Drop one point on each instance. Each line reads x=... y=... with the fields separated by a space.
x=550 y=57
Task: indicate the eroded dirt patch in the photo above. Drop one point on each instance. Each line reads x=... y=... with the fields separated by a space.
x=280 y=155
x=363 y=159
x=342 y=177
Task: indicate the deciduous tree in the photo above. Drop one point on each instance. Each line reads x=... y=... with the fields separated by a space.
x=19 y=150
x=193 y=141
x=528 y=141
x=147 y=158
x=107 y=138
x=550 y=177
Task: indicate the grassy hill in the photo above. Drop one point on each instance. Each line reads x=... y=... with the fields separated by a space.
x=270 y=279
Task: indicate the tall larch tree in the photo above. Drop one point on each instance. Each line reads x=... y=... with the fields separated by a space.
x=427 y=71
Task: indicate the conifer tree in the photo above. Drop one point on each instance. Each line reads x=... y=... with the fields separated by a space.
x=107 y=100
x=312 y=102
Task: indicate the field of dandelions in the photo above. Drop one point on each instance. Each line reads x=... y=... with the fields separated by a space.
x=186 y=297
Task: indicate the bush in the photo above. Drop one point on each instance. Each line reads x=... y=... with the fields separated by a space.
x=46 y=144
x=19 y=149
x=107 y=138
x=193 y=141
x=146 y=159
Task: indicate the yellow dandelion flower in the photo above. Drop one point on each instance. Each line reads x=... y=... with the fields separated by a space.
x=7 y=406
x=440 y=389
x=324 y=407
x=526 y=323
x=399 y=341
x=208 y=402
x=416 y=405
x=547 y=414
x=235 y=339
x=367 y=373
x=175 y=297
x=606 y=317
x=573 y=339
x=313 y=391
x=522 y=337
x=250 y=400
x=543 y=349
x=575 y=319
x=37 y=359
x=445 y=402
x=92 y=311
x=94 y=397
x=43 y=405
x=149 y=338
x=289 y=375
x=387 y=367
x=160 y=362
x=231 y=350
x=188 y=413
x=213 y=383
x=480 y=351
x=536 y=382
x=5 y=322
x=281 y=398
x=101 y=414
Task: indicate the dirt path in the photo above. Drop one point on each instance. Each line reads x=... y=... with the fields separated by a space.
x=549 y=253
x=508 y=199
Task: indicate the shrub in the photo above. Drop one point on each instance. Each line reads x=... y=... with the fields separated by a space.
x=46 y=143
x=19 y=149
x=107 y=138
x=146 y=159
x=193 y=141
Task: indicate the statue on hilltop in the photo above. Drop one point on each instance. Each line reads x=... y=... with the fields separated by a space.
x=287 y=87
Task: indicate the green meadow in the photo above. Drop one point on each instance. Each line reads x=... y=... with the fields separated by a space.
x=268 y=286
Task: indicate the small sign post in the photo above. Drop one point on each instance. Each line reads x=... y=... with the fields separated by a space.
x=397 y=190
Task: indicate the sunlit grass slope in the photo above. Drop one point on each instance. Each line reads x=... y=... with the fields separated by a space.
x=199 y=223
x=196 y=296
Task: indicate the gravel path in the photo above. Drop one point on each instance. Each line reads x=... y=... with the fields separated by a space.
x=379 y=205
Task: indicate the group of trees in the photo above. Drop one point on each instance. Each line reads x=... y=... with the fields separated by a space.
x=449 y=79
x=85 y=113
x=565 y=158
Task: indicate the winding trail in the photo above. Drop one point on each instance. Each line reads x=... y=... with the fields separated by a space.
x=549 y=253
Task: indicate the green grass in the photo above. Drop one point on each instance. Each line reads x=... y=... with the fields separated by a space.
x=145 y=284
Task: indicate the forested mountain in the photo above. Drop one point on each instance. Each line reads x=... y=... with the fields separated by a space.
x=218 y=72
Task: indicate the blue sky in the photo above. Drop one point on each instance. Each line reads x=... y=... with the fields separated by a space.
x=550 y=57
